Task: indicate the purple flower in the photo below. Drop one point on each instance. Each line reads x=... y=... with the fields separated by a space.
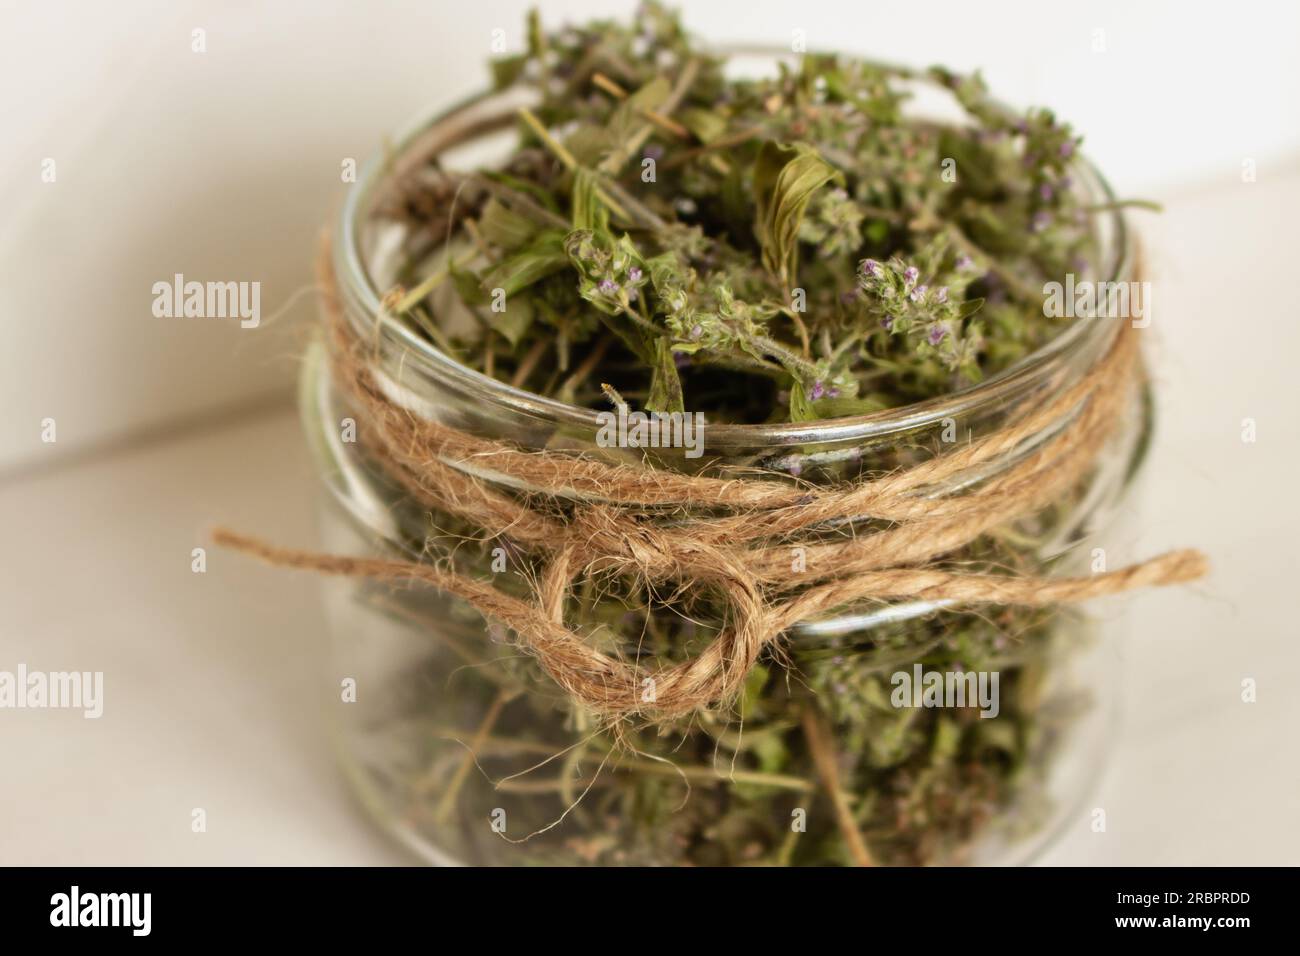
x=1067 y=149
x=942 y=295
x=965 y=262
x=887 y=323
x=634 y=274
x=1045 y=192
x=870 y=267
x=818 y=390
x=1040 y=222
x=937 y=334
x=832 y=393
x=917 y=294
x=697 y=331
x=911 y=274
x=653 y=151
x=608 y=286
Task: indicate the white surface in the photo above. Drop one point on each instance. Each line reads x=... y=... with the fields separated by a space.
x=222 y=165
x=214 y=684
x=1198 y=776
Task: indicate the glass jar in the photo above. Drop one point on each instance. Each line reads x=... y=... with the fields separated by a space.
x=466 y=753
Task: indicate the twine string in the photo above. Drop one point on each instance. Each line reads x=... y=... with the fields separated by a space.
x=732 y=534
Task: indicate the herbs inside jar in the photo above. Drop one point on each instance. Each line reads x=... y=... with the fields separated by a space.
x=841 y=287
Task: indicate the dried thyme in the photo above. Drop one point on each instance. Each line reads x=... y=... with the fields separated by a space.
x=789 y=248
x=792 y=248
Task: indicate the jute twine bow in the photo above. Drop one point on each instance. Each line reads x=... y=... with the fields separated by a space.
x=732 y=534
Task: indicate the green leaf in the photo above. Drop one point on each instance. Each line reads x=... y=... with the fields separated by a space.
x=515 y=321
x=507 y=69
x=543 y=196
x=468 y=286
x=511 y=323
x=589 y=212
x=502 y=227
x=801 y=409
x=785 y=178
x=628 y=127
x=542 y=257
x=977 y=168
x=665 y=384
x=705 y=125
x=628 y=118
x=590 y=143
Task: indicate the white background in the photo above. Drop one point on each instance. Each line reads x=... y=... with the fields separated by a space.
x=223 y=165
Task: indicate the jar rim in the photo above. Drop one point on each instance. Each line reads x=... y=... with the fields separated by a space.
x=357 y=288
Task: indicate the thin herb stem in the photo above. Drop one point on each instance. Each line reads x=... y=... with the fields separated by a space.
x=447 y=804
x=418 y=294
x=824 y=757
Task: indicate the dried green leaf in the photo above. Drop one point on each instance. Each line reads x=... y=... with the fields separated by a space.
x=514 y=320
x=629 y=115
x=801 y=409
x=589 y=211
x=542 y=257
x=506 y=70
x=705 y=125
x=785 y=178
x=504 y=228
x=665 y=383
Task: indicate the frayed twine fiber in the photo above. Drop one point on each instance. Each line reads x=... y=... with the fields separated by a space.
x=741 y=548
